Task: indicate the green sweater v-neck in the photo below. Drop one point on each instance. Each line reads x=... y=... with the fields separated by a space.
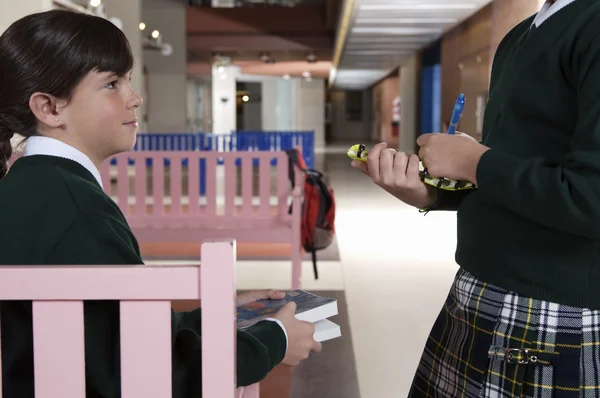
x=533 y=224
x=53 y=211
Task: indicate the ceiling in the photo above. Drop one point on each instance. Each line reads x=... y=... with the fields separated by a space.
x=355 y=43
x=376 y=36
x=263 y=36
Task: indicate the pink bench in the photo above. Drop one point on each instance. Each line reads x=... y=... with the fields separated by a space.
x=191 y=216
x=145 y=293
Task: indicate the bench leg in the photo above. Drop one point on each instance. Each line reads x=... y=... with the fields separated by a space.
x=296 y=264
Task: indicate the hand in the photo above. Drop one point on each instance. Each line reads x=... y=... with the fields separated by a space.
x=255 y=295
x=453 y=156
x=398 y=174
x=300 y=335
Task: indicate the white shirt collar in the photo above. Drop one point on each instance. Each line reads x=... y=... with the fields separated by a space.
x=549 y=9
x=39 y=145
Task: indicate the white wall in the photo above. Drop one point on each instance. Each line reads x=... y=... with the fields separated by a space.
x=285 y=105
x=343 y=130
x=309 y=108
x=270 y=104
x=223 y=99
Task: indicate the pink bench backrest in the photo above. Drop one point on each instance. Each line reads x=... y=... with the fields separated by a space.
x=145 y=293
x=205 y=206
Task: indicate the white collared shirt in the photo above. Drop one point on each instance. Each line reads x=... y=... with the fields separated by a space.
x=549 y=9
x=39 y=145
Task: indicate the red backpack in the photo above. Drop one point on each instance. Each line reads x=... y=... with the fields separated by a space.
x=318 y=208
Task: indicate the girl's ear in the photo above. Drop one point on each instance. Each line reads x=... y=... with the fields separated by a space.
x=45 y=109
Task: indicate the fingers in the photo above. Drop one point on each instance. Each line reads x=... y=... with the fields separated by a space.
x=275 y=294
x=373 y=161
x=400 y=166
x=412 y=170
x=362 y=166
x=317 y=347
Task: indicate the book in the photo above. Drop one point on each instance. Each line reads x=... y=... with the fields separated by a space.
x=326 y=330
x=309 y=307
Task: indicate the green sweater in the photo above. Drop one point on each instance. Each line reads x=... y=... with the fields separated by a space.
x=54 y=212
x=533 y=224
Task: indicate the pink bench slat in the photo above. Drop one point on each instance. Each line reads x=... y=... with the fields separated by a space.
x=230 y=179
x=146 y=349
x=211 y=185
x=264 y=167
x=217 y=282
x=176 y=183
x=140 y=188
x=91 y=282
x=193 y=185
x=122 y=182
x=247 y=185
x=58 y=341
x=158 y=184
x=105 y=176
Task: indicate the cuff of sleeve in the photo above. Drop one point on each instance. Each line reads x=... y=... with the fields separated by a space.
x=493 y=168
x=282 y=328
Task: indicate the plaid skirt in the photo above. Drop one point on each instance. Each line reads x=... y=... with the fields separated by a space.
x=488 y=342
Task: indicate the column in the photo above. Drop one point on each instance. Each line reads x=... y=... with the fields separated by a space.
x=130 y=14
x=224 y=97
x=409 y=94
x=308 y=103
x=166 y=76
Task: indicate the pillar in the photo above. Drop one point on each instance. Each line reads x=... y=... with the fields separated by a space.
x=130 y=14
x=166 y=78
x=223 y=98
x=409 y=94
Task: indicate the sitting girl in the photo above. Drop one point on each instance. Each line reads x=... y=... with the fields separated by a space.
x=65 y=85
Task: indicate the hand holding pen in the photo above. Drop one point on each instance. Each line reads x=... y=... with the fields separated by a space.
x=452 y=156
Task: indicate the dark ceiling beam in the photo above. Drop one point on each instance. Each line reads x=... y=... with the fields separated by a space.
x=249 y=20
x=257 y=42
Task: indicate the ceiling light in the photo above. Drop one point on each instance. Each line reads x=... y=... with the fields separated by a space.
x=155 y=34
x=95 y=3
x=142 y=26
x=245 y=98
x=306 y=74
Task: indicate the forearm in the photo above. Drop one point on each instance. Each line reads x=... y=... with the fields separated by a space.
x=259 y=349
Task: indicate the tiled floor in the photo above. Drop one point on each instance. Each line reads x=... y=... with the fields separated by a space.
x=396 y=267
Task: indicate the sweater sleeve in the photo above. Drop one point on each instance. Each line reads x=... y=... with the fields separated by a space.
x=563 y=195
x=103 y=240
x=448 y=200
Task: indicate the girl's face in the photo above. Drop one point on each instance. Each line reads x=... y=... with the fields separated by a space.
x=100 y=119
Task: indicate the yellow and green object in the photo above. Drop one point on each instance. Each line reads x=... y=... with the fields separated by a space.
x=359 y=152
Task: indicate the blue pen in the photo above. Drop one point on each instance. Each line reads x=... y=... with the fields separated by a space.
x=458 y=109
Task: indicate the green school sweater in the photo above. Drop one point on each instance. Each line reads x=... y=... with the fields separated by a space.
x=533 y=225
x=53 y=211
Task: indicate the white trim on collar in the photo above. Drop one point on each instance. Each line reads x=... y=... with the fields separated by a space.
x=39 y=145
x=549 y=9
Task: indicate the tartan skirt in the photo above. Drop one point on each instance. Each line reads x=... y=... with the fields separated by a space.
x=489 y=342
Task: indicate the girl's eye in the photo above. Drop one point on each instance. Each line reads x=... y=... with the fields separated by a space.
x=112 y=84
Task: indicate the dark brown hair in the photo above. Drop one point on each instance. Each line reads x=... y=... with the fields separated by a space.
x=51 y=52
